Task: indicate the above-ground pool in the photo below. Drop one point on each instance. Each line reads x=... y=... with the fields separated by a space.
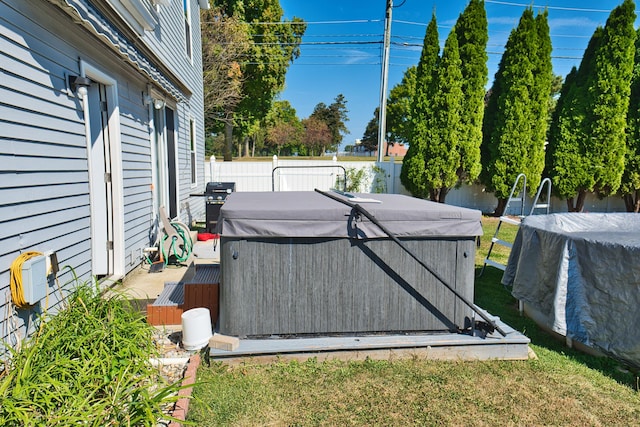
x=580 y=274
x=302 y=263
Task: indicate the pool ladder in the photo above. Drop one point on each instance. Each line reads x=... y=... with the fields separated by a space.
x=520 y=198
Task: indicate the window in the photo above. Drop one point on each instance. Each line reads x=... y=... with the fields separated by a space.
x=192 y=149
x=187 y=26
x=139 y=14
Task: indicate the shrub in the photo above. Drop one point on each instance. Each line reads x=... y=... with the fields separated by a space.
x=87 y=365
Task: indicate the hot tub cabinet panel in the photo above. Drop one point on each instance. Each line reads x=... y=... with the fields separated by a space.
x=279 y=285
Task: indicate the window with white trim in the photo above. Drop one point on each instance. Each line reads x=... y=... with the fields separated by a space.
x=187 y=27
x=192 y=151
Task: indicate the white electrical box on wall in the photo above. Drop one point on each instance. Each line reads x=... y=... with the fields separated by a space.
x=34 y=279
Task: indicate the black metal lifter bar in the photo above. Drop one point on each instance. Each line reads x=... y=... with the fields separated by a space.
x=373 y=219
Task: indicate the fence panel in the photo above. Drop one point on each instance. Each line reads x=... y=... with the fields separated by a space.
x=377 y=177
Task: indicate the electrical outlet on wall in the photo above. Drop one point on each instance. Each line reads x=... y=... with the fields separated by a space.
x=51 y=261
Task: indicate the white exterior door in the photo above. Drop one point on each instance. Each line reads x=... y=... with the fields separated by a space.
x=100 y=182
x=106 y=187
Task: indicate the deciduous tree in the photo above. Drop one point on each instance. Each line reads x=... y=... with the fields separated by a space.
x=317 y=135
x=274 y=46
x=225 y=43
x=399 y=108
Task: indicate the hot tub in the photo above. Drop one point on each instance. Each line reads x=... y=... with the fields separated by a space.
x=301 y=263
x=579 y=275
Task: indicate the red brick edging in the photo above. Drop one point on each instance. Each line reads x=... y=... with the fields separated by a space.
x=182 y=405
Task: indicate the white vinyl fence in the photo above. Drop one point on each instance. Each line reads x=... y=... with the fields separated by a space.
x=384 y=177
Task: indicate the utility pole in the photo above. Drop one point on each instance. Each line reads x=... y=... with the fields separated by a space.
x=382 y=117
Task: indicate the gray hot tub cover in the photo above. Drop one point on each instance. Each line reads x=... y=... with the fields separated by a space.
x=310 y=214
x=582 y=273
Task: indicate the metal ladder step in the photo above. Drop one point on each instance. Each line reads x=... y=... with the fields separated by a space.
x=517 y=220
x=502 y=242
x=495 y=264
x=510 y=220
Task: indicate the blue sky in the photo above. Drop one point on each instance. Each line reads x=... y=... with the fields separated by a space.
x=342 y=53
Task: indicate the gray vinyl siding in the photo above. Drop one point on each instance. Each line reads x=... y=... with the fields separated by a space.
x=44 y=181
x=172 y=52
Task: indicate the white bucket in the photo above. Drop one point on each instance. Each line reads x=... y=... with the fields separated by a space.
x=196 y=328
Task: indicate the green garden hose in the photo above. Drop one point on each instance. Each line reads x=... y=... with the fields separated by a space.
x=180 y=250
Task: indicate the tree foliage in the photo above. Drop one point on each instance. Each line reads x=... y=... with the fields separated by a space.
x=630 y=186
x=515 y=122
x=443 y=125
x=588 y=140
x=317 y=135
x=225 y=42
x=412 y=174
x=283 y=128
x=272 y=49
x=370 y=137
x=399 y=108
x=335 y=117
x=472 y=33
x=609 y=89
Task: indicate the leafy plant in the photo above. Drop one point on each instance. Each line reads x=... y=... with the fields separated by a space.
x=363 y=179
x=88 y=365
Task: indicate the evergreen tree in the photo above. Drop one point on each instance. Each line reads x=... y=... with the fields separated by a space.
x=443 y=130
x=471 y=30
x=594 y=159
x=566 y=164
x=515 y=125
x=369 y=139
x=609 y=89
x=335 y=116
x=412 y=174
x=630 y=187
x=543 y=79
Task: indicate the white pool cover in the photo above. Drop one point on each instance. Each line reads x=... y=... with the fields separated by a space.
x=581 y=271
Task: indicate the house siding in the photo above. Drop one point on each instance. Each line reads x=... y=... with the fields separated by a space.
x=44 y=179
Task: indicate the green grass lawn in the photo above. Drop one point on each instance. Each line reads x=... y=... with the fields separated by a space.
x=560 y=387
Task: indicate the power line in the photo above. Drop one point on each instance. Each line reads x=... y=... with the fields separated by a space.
x=571 y=9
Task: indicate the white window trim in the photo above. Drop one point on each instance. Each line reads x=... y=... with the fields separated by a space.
x=139 y=14
x=186 y=4
x=193 y=153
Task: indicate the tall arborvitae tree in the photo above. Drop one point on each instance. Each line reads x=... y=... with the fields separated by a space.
x=540 y=93
x=566 y=163
x=443 y=130
x=514 y=142
x=472 y=33
x=412 y=174
x=595 y=162
x=630 y=187
x=609 y=89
